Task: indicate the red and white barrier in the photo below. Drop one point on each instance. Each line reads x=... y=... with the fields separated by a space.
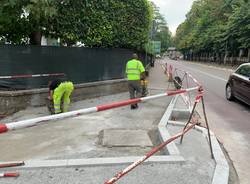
x=194 y=79
x=35 y=121
x=9 y=174
x=11 y=164
x=31 y=76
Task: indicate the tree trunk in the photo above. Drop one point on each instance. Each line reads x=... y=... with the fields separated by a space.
x=240 y=56
x=248 y=56
x=220 y=58
x=217 y=57
x=234 y=58
x=225 y=57
x=241 y=53
x=35 y=38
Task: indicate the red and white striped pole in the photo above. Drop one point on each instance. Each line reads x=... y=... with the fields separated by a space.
x=31 y=76
x=35 y=121
x=11 y=164
x=9 y=174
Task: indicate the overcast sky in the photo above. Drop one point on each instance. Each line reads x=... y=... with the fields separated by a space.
x=174 y=11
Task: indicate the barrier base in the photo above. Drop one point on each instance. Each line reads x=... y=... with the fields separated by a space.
x=3 y=128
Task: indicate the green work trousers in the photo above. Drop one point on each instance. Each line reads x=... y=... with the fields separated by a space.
x=64 y=91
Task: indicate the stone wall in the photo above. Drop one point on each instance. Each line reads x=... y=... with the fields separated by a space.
x=13 y=101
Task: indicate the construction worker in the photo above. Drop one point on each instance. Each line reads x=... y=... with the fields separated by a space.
x=135 y=72
x=60 y=90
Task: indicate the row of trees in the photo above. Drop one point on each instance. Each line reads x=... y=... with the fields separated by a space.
x=217 y=30
x=95 y=23
x=160 y=31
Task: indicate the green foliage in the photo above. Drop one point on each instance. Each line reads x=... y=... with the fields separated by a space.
x=239 y=24
x=160 y=31
x=19 y=19
x=12 y=25
x=215 y=26
x=96 y=23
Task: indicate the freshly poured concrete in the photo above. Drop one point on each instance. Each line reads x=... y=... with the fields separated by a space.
x=79 y=137
x=126 y=138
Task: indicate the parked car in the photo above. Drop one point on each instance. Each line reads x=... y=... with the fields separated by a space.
x=238 y=85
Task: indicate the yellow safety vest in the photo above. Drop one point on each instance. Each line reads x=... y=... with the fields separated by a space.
x=134 y=68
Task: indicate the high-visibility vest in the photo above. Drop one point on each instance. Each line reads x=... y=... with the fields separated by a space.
x=134 y=68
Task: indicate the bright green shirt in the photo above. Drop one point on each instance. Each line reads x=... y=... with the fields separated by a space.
x=134 y=68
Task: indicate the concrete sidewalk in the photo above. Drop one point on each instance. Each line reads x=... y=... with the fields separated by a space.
x=73 y=150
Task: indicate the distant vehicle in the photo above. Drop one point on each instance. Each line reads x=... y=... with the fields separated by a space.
x=158 y=56
x=238 y=85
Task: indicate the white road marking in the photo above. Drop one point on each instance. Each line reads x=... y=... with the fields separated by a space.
x=210 y=75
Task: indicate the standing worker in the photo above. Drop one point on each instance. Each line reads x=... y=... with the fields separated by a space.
x=135 y=72
x=58 y=90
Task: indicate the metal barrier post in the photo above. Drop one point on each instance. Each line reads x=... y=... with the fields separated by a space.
x=200 y=97
x=208 y=130
x=189 y=120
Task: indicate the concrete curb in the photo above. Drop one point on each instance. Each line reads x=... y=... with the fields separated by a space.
x=13 y=101
x=34 y=164
x=221 y=173
x=162 y=128
x=164 y=120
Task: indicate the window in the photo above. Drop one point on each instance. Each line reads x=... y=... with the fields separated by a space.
x=244 y=71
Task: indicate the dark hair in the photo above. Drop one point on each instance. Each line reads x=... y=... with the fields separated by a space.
x=135 y=56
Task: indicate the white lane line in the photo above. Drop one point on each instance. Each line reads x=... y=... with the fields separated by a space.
x=210 y=75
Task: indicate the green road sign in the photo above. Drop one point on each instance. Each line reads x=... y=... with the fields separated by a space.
x=154 y=47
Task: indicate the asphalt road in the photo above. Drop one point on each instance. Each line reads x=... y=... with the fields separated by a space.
x=230 y=121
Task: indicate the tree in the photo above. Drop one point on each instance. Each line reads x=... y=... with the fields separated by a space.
x=26 y=18
x=38 y=13
x=12 y=23
x=213 y=27
x=105 y=23
x=160 y=31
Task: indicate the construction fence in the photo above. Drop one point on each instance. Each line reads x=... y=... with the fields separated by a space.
x=28 y=67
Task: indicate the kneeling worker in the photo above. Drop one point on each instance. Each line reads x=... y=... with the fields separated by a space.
x=59 y=90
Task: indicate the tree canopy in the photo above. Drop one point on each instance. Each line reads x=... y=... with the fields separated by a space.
x=96 y=23
x=215 y=26
x=160 y=31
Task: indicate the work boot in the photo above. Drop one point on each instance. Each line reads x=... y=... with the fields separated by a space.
x=134 y=106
